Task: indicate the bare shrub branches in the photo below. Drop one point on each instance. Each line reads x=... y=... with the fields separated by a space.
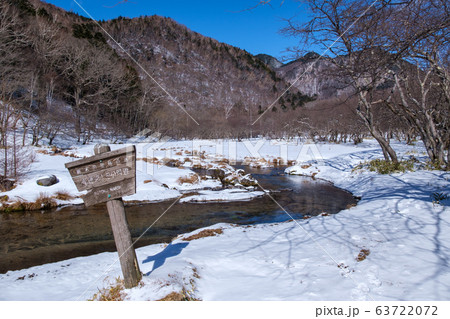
x=396 y=54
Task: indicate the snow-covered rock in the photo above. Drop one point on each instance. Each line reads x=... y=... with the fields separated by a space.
x=47 y=180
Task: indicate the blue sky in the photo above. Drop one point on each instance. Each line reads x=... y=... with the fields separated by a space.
x=256 y=31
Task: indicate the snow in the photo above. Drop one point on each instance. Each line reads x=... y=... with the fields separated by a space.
x=224 y=195
x=43 y=166
x=405 y=233
x=155 y=182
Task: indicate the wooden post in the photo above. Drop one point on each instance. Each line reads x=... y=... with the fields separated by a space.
x=122 y=236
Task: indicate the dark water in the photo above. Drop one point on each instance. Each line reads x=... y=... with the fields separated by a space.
x=34 y=238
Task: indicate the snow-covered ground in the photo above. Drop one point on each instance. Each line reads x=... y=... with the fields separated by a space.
x=156 y=181
x=394 y=245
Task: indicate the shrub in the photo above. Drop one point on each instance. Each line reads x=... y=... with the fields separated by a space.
x=191 y=179
x=16 y=162
x=387 y=167
x=431 y=166
x=6 y=184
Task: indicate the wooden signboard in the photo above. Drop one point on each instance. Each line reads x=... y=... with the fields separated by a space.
x=105 y=176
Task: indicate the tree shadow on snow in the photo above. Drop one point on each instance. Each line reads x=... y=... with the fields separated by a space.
x=160 y=258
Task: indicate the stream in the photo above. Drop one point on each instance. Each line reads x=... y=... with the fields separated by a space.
x=38 y=237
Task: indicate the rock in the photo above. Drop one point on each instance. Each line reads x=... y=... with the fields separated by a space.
x=272 y=62
x=217 y=173
x=47 y=180
x=248 y=180
x=236 y=178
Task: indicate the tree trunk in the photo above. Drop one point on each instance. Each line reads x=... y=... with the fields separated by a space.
x=448 y=158
x=14 y=153
x=367 y=117
x=5 y=144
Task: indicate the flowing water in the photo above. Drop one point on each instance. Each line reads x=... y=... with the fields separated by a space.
x=39 y=237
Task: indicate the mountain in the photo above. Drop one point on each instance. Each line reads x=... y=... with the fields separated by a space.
x=269 y=60
x=132 y=74
x=199 y=71
x=314 y=76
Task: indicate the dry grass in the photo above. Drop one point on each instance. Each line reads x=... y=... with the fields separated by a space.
x=113 y=293
x=189 y=194
x=223 y=161
x=195 y=273
x=171 y=162
x=173 y=296
x=43 y=202
x=70 y=154
x=205 y=233
x=45 y=152
x=179 y=296
x=277 y=161
x=199 y=154
x=16 y=206
x=363 y=254
x=191 y=179
x=153 y=160
x=63 y=195
x=57 y=151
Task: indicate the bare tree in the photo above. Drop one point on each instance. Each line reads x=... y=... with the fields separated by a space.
x=374 y=45
x=349 y=30
x=93 y=87
x=13 y=44
x=422 y=79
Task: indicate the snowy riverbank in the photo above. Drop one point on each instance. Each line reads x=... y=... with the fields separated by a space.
x=394 y=245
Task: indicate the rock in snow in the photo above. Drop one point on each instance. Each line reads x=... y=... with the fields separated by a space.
x=47 y=180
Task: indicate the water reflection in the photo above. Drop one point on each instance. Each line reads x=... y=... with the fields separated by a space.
x=33 y=238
